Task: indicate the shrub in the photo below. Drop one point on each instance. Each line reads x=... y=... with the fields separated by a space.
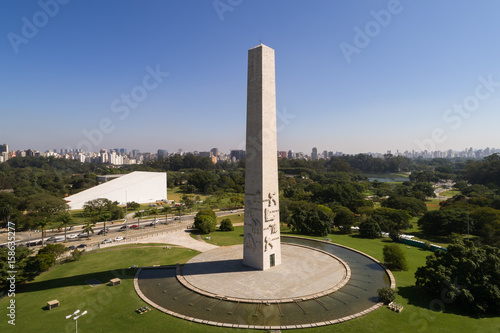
x=77 y=254
x=205 y=221
x=226 y=225
x=395 y=258
x=386 y=295
x=369 y=229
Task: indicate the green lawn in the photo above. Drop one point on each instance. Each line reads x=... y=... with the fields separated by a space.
x=111 y=309
x=449 y=193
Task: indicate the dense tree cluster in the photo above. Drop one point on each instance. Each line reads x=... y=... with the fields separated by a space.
x=467 y=275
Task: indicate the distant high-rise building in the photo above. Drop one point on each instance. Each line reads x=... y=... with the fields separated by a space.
x=205 y=154
x=237 y=154
x=4 y=152
x=215 y=152
x=290 y=154
x=314 y=154
x=162 y=153
x=135 y=152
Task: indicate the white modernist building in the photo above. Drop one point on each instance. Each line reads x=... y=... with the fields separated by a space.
x=138 y=186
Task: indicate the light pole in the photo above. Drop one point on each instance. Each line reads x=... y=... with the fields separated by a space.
x=75 y=316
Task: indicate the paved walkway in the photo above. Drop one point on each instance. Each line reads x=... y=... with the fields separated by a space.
x=181 y=238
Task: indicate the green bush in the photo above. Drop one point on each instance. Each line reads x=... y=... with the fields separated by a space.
x=386 y=295
x=205 y=221
x=226 y=225
x=369 y=229
x=395 y=258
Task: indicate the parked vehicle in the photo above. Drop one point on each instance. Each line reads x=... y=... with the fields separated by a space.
x=135 y=226
x=81 y=246
x=72 y=236
x=71 y=248
x=107 y=240
x=119 y=238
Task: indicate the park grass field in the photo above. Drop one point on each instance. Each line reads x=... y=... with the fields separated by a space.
x=112 y=309
x=449 y=193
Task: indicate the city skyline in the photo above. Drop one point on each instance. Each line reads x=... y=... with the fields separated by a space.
x=356 y=78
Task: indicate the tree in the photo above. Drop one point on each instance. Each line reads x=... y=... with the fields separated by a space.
x=8 y=205
x=88 y=228
x=369 y=228
x=413 y=206
x=56 y=249
x=65 y=219
x=226 y=225
x=42 y=223
x=309 y=219
x=467 y=274
x=96 y=207
x=22 y=254
x=395 y=258
x=166 y=210
x=237 y=201
x=444 y=222
x=386 y=295
x=133 y=205
x=205 y=221
x=344 y=220
x=39 y=263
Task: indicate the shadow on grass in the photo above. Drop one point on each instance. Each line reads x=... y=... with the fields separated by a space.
x=78 y=280
x=417 y=296
x=430 y=239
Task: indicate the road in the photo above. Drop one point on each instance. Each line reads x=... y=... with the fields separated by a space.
x=115 y=229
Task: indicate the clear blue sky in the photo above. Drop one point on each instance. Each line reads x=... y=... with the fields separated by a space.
x=388 y=87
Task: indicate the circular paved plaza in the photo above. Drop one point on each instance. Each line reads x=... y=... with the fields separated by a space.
x=304 y=273
x=317 y=284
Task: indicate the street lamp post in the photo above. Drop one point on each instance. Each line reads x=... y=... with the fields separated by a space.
x=75 y=315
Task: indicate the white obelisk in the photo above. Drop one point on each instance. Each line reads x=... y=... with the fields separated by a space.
x=261 y=248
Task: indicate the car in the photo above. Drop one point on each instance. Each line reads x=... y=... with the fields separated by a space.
x=50 y=239
x=102 y=232
x=82 y=246
x=72 y=236
x=177 y=218
x=107 y=240
x=135 y=226
x=71 y=247
x=59 y=239
x=124 y=227
x=82 y=234
x=119 y=238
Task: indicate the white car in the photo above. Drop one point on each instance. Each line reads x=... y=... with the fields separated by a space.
x=119 y=238
x=72 y=236
x=107 y=240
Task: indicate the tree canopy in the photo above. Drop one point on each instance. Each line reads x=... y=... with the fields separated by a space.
x=466 y=274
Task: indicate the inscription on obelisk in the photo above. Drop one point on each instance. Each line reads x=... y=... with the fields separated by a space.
x=262 y=248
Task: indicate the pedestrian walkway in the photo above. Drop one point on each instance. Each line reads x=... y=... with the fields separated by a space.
x=181 y=238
